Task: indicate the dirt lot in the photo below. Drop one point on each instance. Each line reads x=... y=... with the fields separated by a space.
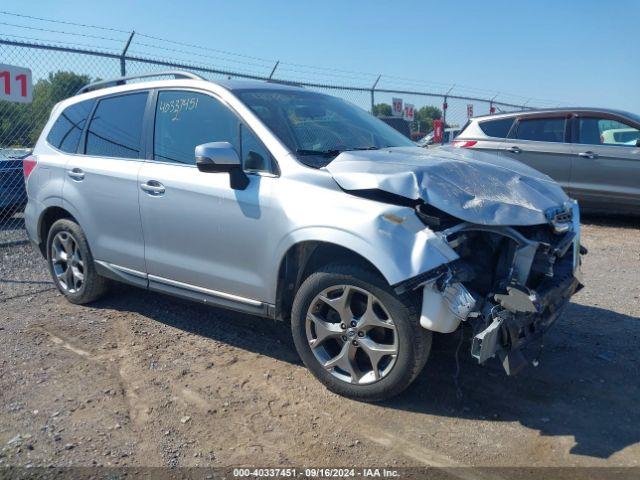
x=143 y=379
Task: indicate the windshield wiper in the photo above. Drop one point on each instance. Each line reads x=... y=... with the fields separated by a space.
x=321 y=153
x=333 y=152
x=363 y=148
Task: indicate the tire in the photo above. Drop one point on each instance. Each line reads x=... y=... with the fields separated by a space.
x=76 y=277
x=315 y=320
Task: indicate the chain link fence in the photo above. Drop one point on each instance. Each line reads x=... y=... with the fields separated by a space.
x=59 y=71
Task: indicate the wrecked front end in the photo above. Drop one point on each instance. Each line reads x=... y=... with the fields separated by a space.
x=510 y=284
x=515 y=234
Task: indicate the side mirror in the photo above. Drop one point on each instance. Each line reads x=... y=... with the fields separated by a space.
x=216 y=157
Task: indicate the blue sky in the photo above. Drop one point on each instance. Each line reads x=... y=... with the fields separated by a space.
x=571 y=52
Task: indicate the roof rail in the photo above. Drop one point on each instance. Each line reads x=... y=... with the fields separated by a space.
x=122 y=80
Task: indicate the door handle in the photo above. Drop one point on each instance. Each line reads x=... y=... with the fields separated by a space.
x=76 y=173
x=153 y=187
x=515 y=150
x=588 y=154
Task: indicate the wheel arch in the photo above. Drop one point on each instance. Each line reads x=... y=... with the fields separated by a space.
x=396 y=253
x=305 y=257
x=48 y=217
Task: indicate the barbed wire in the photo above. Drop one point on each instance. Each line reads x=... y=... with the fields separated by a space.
x=46 y=41
x=192 y=64
x=298 y=70
x=158 y=47
x=311 y=81
x=61 y=22
x=266 y=60
x=48 y=30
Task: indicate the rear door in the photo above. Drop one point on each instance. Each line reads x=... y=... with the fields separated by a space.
x=102 y=183
x=542 y=143
x=606 y=162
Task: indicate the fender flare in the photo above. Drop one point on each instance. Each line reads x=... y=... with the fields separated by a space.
x=394 y=268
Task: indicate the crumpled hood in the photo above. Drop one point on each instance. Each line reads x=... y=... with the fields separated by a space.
x=477 y=187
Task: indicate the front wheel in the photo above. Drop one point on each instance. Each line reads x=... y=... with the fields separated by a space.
x=356 y=335
x=71 y=263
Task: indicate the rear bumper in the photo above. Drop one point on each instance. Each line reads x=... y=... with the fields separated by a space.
x=31 y=216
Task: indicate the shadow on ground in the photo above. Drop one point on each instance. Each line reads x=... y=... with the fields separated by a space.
x=616 y=221
x=586 y=386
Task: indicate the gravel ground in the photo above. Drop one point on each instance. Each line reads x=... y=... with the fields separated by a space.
x=142 y=379
x=12 y=229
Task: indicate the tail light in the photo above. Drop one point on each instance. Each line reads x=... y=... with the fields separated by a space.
x=28 y=164
x=464 y=143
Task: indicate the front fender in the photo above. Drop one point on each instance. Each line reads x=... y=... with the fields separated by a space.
x=396 y=243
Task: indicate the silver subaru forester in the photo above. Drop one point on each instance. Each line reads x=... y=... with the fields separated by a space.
x=294 y=205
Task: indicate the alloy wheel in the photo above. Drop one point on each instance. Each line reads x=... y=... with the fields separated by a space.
x=67 y=262
x=351 y=334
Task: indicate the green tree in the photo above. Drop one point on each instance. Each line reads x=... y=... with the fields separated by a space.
x=21 y=124
x=426 y=115
x=382 y=110
x=15 y=124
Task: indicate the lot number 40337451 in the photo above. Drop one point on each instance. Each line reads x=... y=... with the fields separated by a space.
x=15 y=84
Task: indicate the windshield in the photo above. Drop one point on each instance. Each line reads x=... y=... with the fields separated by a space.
x=318 y=127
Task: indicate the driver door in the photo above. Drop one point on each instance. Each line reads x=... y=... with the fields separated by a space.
x=203 y=238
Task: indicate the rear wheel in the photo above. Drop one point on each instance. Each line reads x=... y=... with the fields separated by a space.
x=355 y=335
x=71 y=263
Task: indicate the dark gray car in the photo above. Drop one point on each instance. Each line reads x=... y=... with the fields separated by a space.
x=593 y=153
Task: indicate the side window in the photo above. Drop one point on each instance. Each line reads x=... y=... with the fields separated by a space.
x=67 y=129
x=541 y=129
x=256 y=158
x=116 y=127
x=604 y=131
x=497 y=128
x=185 y=119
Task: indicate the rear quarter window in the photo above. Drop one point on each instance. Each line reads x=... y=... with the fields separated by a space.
x=67 y=129
x=116 y=127
x=496 y=128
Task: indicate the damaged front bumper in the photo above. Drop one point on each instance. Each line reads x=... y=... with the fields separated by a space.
x=510 y=284
x=504 y=329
